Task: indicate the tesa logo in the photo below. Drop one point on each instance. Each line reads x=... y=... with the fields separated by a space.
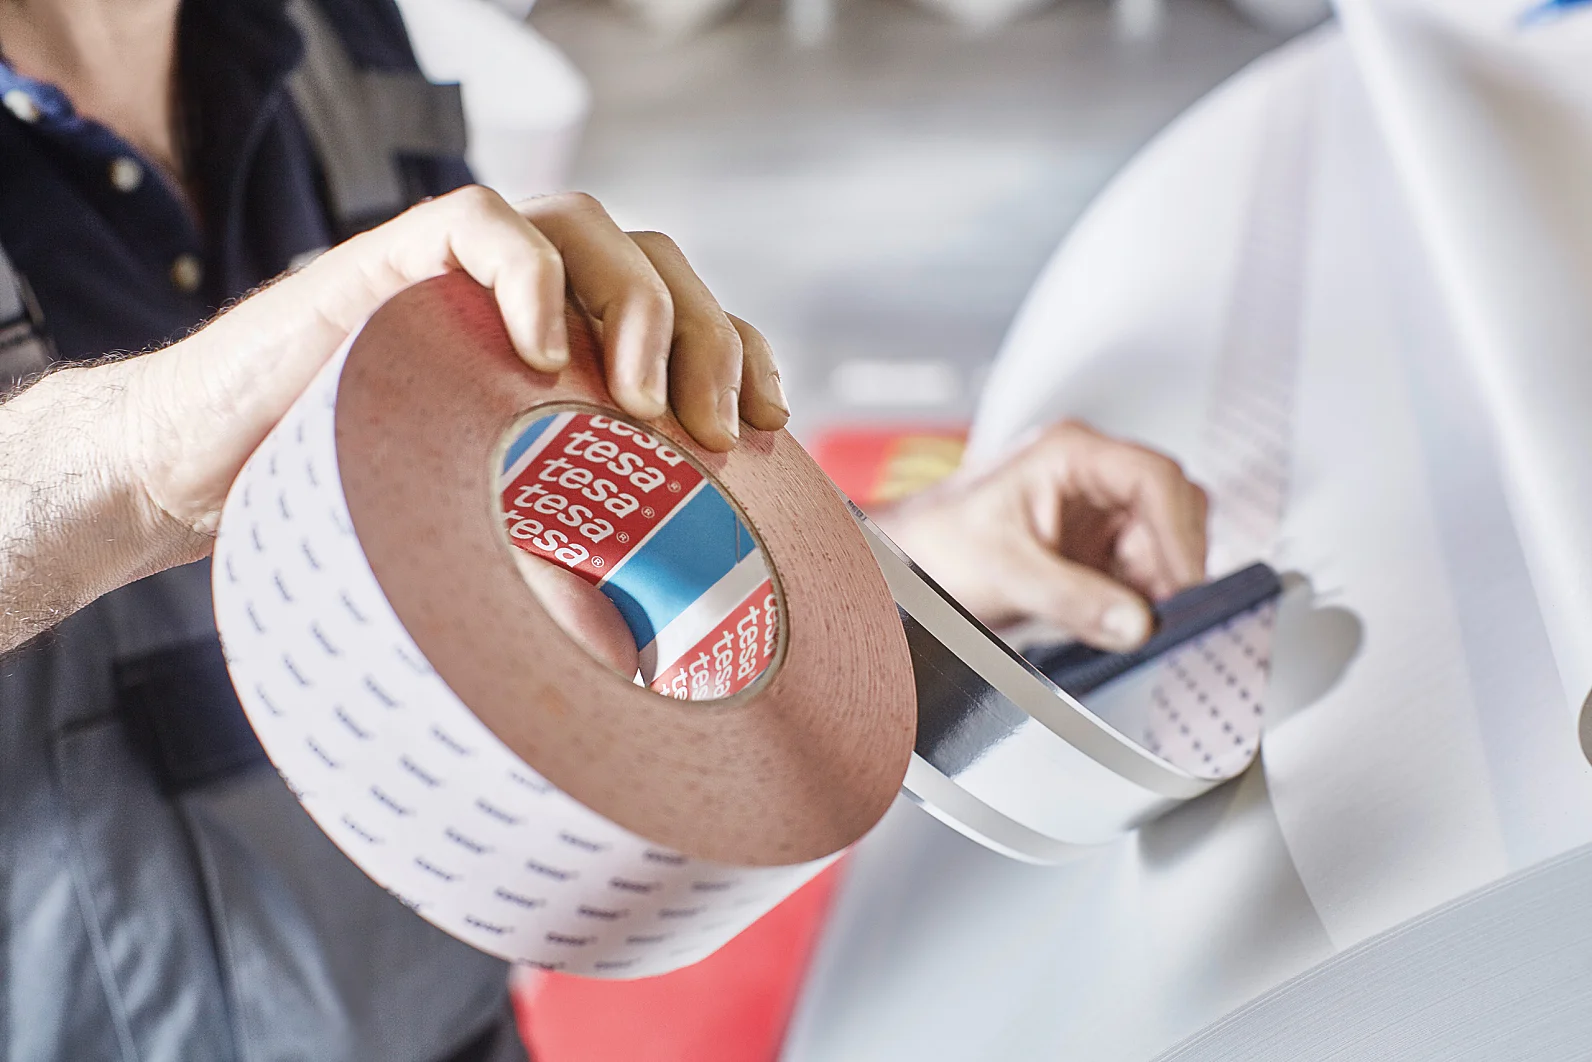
x=593 y=494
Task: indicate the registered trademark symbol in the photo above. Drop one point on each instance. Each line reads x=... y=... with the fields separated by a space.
x=623 y=536
x=596 y=562
x=674 y=486
x=649 y=512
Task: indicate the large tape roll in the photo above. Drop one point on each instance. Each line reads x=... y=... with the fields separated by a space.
x=446 y=732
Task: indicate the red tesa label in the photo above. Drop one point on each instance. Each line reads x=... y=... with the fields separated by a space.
x=728 y=658
x=592 y=491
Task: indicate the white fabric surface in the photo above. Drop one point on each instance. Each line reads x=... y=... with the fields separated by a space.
x=1439 y=499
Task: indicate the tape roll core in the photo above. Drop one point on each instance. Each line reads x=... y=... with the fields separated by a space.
x=599 y=497
x=791 y=771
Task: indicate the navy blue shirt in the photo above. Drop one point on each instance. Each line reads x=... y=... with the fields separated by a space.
x=116 y=258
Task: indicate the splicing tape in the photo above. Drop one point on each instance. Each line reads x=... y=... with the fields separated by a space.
x=448 y=735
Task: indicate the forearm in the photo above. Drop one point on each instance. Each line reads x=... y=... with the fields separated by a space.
x=74 y=521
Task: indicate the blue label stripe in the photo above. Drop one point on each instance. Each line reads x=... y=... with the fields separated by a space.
x=518 y=447
x=695 y=548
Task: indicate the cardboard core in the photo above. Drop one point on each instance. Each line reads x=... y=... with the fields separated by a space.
x=635 y=549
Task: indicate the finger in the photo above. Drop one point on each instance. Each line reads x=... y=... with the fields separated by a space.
x=475 y=230
x=585 y=613
x=1094 y=607
x=620 y=288
x=763 y=403
x=705 y=365
x=1152 y=488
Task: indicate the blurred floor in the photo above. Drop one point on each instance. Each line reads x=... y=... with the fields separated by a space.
x=879 y=204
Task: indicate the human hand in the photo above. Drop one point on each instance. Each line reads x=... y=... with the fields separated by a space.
x=193 y=412
x=1075 y=529
x=585 y=613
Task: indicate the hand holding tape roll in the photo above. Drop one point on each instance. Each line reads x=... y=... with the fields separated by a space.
x=447 y=734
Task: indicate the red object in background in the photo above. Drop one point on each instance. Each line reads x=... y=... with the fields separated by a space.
x=873 y=466
x=732 y=1006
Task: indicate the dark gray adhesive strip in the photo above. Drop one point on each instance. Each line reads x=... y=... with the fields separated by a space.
x=959 y=715
x=1080 y=669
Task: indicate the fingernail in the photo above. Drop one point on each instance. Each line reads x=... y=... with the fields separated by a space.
x=778 y=397
x=656 y=385
x=730 y=411
x=555 y=342
x=1126 y=624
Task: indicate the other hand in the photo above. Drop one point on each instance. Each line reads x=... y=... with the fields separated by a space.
x=1075 y=529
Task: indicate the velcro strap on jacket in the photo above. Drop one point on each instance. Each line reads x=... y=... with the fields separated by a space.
x=361 y=120
x=24 y=349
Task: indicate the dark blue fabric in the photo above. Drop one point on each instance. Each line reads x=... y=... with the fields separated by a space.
x=100 y=260
x=168 y=699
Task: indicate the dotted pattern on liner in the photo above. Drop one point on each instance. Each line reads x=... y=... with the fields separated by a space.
x=1207 y=703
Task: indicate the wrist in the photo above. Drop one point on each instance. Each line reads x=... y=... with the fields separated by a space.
x=74 y=514
x=143 y=445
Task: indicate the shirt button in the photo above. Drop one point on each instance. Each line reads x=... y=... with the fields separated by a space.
x=126 y=174
x=21 y=104
x=187 y=274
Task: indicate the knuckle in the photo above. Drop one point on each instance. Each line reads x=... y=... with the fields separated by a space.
x=713 y=330
x=657 y=241
x=1068 y=433
x=651 y=291
x=1166 y=467
x=1161 y=469
x=544 y=262
x=1060 y=443
x=476 y=199
x=575 y=203
x=1167 y=478
x=753 y=342
x=724 y=332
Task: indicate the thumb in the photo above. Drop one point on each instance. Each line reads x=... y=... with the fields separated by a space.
x=1097 y=609
x=583 y=611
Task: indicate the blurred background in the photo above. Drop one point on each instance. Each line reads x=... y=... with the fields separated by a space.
x=873 y=183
